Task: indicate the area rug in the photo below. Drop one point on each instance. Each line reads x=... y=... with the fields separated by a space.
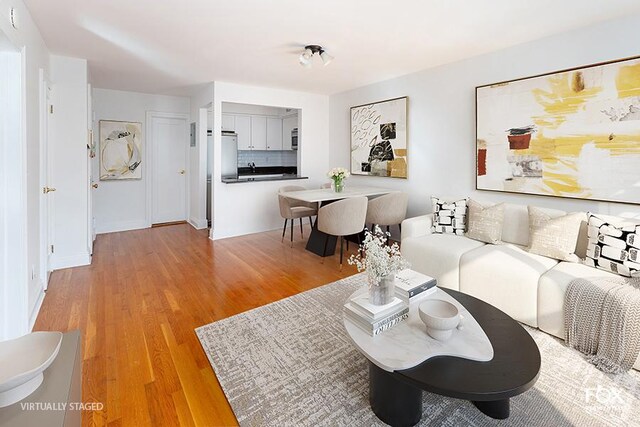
x=290 y=363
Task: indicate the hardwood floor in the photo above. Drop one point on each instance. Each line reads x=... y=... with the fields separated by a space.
x=137 y=306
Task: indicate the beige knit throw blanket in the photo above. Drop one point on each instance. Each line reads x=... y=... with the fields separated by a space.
x=602 y=320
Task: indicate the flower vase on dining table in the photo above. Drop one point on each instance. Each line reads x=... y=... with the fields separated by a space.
x=338 y=185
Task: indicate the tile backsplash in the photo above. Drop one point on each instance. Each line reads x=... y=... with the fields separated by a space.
x=267 y=158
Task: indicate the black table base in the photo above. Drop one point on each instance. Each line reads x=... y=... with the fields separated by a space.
x=398 y=403
x=394 y=402
x=498 y=409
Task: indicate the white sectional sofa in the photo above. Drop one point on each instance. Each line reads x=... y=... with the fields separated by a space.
x=528 y=287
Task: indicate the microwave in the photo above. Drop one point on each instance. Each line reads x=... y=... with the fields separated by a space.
x=294 y=139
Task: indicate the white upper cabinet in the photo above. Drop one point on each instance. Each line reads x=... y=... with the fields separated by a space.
x=243 y=129
x=228 y=122
x=258 y=132
x=288 y=124
x=274 y=133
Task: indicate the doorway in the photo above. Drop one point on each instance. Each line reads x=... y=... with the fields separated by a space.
x=168 y=136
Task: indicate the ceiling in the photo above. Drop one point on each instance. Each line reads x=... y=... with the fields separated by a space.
x=166 y=46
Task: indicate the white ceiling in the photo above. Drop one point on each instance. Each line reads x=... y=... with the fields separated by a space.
x=164 y=46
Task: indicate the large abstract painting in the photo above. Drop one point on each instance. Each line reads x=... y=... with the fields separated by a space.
x=120 y=150
x=379 y=139
x=573 y=133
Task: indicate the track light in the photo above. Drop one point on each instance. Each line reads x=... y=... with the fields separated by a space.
x=306 y=57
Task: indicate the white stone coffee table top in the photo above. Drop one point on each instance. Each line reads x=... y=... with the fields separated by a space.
x=407 y=344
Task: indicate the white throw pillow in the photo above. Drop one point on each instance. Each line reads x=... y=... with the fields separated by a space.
x=614 y=245
x=449 y=217
x=485 y=222
x=554 y=237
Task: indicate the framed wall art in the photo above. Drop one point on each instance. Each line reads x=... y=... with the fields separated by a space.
x=120 y=150
x=573 y=133
x=379 y=139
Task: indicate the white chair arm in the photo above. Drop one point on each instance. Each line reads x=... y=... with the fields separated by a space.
x=416 y=226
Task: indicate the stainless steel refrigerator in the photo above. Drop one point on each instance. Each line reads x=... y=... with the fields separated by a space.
x=229 y=155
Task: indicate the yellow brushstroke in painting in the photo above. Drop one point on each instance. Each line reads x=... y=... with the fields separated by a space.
x=559 y=155
x=628 y=81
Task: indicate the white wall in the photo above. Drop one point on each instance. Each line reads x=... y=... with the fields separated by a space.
x=201 y=98
x=69 y=159
x=252 y=207
x=441 y=113
x=121 y=205
x=35 y=57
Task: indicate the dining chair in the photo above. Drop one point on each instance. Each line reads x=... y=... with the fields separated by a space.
x=389 y=209
x=291 y=209
x=342 y=218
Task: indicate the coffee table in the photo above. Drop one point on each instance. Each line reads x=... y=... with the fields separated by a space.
x=396 y=396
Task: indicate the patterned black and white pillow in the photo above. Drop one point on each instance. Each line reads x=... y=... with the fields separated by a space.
x=449 y=217
x=613 y=247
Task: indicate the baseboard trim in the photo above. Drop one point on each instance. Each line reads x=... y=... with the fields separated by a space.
x=114 y=227
x=198 y=224
x=58 y=263
x=36 y=308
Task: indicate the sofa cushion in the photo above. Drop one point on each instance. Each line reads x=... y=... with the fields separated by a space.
x=554 y=237
x=449 y=216
x=552 y=288
x=614 y=246
x=505 y=276
x=438 y=255
x=485 y=222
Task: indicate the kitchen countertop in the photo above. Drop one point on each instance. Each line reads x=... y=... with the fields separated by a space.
x=249 y=178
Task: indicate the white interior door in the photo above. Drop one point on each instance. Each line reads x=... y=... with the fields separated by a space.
x=169 y=145
x=47 y=212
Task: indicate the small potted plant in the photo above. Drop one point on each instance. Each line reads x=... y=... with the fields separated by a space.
x=338 y=176
x=381 y=262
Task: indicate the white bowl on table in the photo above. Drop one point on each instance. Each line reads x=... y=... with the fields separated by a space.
x=440 y=317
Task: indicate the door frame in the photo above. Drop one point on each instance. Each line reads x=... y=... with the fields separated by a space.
x=148 y=156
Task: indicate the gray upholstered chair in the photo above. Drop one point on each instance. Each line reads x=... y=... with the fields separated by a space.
x=387 y=210
x=290 y=209
x=342 y=218
x=325 y=185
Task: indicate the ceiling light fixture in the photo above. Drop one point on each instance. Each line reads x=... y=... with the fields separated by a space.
x=306 y=57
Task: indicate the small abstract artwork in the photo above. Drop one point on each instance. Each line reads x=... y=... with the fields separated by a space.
x=379 y=139
x=573 y=133
x=120 y=150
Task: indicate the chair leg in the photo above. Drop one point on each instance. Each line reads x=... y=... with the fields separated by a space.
x=310 y=222
x=284 y=230
x=400 y=228
x=292 y=221
x=324 y=251
x=301 y=232
x=341 y=244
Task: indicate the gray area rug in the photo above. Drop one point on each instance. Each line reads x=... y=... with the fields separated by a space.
x=290 y=363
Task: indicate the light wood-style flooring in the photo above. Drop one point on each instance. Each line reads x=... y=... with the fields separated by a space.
x=137 y=306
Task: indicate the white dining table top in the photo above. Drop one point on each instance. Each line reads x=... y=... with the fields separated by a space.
x=326 y=194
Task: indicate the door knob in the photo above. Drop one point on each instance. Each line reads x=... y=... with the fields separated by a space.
x=94 y=185
x=182 y=172
x=46 y=190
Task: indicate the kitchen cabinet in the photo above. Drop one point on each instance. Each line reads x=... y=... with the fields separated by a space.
x=258 y=132
x=288 y=124
x=243 y=129
x=228 y=122
x=274 y=133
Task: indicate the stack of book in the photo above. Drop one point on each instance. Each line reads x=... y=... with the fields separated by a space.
x=374 y=319
x=411 y=284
